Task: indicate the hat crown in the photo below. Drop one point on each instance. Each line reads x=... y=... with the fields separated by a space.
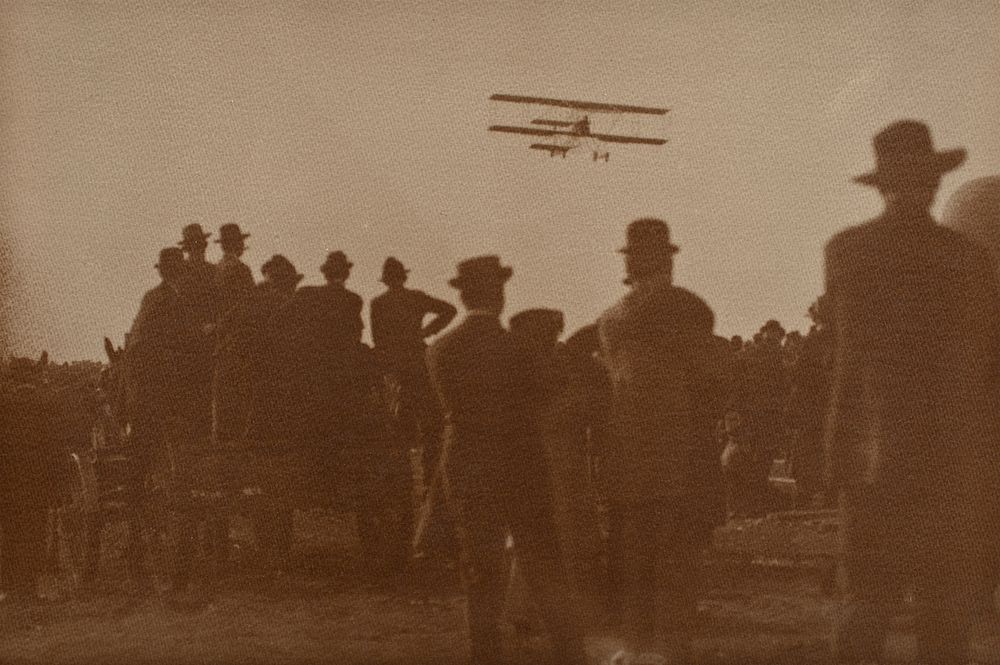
x=481 y=270
x=193 y=233
x=231 y=232
x=905 y=137
x=278 y=265
x=647 y=234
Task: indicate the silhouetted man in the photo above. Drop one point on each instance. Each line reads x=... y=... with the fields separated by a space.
x=495 y=471
x=662 y=459
x=162 y=350
x=200 y=293
x=912 y=432
x=234 y=287
x=398 y=332
x=326 y=324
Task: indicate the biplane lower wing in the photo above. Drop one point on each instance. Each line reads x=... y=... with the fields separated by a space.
x=552 y=148
x=607 y=138
x=553 y=123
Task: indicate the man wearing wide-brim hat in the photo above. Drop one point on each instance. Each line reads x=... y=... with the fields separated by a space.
x=912 y=419
x=661 y=464
x=494 y=465
x=199 y=289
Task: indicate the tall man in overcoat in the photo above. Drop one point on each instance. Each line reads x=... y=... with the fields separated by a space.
x=911 y=428
x=495 y=472
x=163 y=360
x=662 y=460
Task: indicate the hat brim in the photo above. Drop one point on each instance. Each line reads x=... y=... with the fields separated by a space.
x=242 y=236
x=670 y=248
x=189 y=241
x=935 y=163
x=385 y=276
x=501 y=277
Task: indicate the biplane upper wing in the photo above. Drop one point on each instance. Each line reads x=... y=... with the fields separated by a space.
x=607 y=138
x=582 y=106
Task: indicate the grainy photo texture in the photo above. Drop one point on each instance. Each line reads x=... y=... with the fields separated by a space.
x=571 y=333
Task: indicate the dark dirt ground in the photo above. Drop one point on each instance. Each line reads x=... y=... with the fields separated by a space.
x=768 y=599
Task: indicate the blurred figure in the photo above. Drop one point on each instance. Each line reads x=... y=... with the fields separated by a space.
x=913 y=403
x=760 y=396
x=164 y=362
x=974 y=210
x=399 y=334
x=662 y=459
x=199 y=291
x=810 y=393
x=496 y=476
x=234 y=288
x=571 y=414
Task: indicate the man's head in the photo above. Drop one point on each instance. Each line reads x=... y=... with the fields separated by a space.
x=480 y=282
x=772 y=333
x=232 y=239
x=280 y=272
x=171 y=264
x=908 y=170
x=539 y=327
x=194 y=241
x=648 y=250
x=336 y=268
x=394 y=272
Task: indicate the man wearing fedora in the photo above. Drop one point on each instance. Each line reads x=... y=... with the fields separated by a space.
x=911 y=426
x=199 y=291
x=399 y=332
x=661 y=459
x=495 y=475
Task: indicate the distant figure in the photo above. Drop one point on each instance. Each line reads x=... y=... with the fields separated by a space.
x=571 y=416
x=270 y=390
x=760 y=396
x=199 y=291
x=269 y=380
x=164 y=360
x=234 y=288
x=810 y=378
x=399 y=331
x=974 y=210
x=496 y=477
x=325 y=325
x=662 y=460
x=912 y=424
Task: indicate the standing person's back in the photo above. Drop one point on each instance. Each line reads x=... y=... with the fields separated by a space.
x=495 y=474
x=913 y=395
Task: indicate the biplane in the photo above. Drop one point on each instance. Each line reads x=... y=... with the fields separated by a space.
x=565 y=135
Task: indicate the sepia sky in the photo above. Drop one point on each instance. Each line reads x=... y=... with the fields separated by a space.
x=362 y=127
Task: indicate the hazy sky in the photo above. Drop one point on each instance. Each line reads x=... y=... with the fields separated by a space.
x=362 y=127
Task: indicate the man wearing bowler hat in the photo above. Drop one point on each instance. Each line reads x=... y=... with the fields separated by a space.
x=399 y=334
x=234 y=287
x=911 y=427
x=661 y=459
x=495 y=472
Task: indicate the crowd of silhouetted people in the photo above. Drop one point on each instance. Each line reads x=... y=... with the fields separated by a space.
x=595 y=467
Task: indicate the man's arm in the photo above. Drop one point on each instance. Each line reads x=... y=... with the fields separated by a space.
x=444 y=313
